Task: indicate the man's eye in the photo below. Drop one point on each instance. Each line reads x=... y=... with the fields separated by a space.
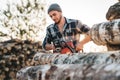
x=54 y=14
x=50 y=16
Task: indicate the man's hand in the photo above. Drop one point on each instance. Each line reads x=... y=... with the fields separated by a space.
x=80 y=44
x=79 y=47
x=50 y=47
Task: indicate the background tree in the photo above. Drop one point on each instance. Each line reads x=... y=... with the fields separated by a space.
x=22 y=19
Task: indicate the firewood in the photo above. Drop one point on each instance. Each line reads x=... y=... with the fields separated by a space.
x=16 y=54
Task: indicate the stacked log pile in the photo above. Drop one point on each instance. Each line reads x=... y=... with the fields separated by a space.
x=16 y=54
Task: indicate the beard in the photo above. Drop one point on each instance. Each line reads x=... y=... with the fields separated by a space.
x=59 y=20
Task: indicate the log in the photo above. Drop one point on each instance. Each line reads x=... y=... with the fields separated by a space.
x=77 y=58
x=106 y=33
x=113 y=12
x=70 y=72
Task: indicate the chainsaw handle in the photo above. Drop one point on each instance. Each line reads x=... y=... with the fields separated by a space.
x=69 y=47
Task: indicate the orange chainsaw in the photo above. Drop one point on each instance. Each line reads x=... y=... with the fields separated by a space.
x=64 y=47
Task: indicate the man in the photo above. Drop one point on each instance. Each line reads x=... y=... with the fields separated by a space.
x=63 y=35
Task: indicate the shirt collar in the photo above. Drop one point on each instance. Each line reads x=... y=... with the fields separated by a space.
x=67 y=20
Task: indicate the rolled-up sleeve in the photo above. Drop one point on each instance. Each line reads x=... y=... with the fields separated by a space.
x=83 y=28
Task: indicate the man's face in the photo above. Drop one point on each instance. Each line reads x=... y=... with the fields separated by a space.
x=55 y=16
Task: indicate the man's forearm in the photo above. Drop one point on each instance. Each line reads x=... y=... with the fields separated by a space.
x=80 y=44
x=86 y=39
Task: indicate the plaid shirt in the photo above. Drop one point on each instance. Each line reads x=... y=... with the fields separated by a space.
x=71 y=32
